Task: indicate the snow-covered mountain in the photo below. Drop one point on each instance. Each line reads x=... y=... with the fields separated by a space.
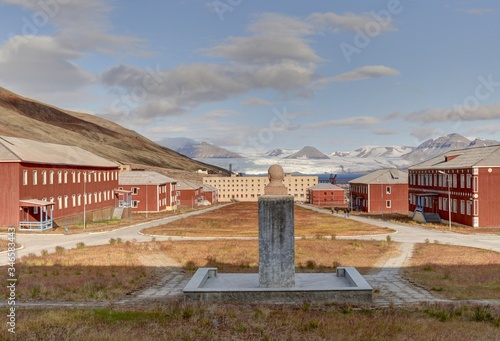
x=375 y=151
x=309 y=153
x=443 y=144
x=197 y=150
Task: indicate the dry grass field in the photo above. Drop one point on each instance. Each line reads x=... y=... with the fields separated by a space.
x=180 y=320
x=241 y=220
x=310 y=255
x=456 y=272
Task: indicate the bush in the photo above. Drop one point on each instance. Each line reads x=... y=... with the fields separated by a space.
x=60 y=249
x=80 y=245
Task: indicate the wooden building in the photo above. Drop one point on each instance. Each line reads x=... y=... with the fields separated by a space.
x=326 y=194
x=462 y=185
x=46 y=183
x=211 y=194
x=382 y=191
x=150 y=191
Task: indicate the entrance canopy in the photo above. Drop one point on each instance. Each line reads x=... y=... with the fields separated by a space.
x=36 y=215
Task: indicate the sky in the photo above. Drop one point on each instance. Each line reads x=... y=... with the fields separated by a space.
x=258 y=75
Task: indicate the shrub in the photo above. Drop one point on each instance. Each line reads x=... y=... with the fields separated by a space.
x=80 y=245
x=388 y=238
x=59 y=249
x=112 y=241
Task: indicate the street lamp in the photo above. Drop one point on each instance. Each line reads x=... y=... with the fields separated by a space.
x=85 y=197
x=448 y=180
x=147 y=206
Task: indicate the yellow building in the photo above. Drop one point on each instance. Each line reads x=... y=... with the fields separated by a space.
x=249 y=188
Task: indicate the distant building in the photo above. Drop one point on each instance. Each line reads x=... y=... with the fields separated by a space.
x=189 y=193
x=467 y=180
x=327 y=194
x=45 y=184
x=150 y=191
x=249 y=188
x=382 y=191
x=211 y=194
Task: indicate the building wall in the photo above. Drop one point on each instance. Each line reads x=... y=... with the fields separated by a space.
x=488 y=200
x=189 y=197
x=380 y=198
x=152 y=197
x=211 y=196
x=249 y=188
x=463 y=187
x=33 y=181
x=9 y=194
x=328 y=198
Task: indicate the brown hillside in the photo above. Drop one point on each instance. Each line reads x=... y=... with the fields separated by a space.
x=26 y=118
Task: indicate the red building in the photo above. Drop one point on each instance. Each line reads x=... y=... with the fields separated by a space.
x=189 y=193
x=150 y=191
x=43 y=183
x=461 y=184
x=324 y=194
x=211 y=194
x=382 y=191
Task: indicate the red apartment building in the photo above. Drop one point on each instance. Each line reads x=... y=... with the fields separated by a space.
x=150 y=191
x=189 y=193
x=43 y=183
x=324 y=194
x=463 y=184
x=382 y=191
x=211 y=194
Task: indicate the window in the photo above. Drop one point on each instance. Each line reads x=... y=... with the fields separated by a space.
x=65 y=201
x=59 y=177
x=59 y=202
x=475 y=186
x=454 y=205
x=79 y=200
x=78 y=177
x=73 y=176
x=35 y=178
x=388 y=190
x=25 y=177
x=468 y=180
x=73 y=197
x=462 y=206
x=65 y=177
x=454 y=181
x=35 y=210
x=44 y=177
x=388 y=204
x=135 y=190
x=469 y=207
x=462 y=180
x=51 y=178
x=135 y=203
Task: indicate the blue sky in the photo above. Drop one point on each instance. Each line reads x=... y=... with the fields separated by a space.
x=255 y=75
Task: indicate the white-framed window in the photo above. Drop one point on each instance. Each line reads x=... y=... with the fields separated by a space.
x=78 y=177
x=388 y=204
x=73 y=197
x=454 y=204
x=65 y=177
x=468 y=180
x=388 y=190
x=59 y=202
x=44 y=177
x=462 y=180
x=462 y=206
x=454 y=181
x=79 y=200
x=135 y=203
x=73 y=176
x=35 y=210
x=469 y=207
x=135 y=190
x=35 y=177
x=59 y=177
x=51 y=177
x=25 y=177
x=65 y=201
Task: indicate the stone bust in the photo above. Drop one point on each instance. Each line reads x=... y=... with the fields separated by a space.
x=275 y=186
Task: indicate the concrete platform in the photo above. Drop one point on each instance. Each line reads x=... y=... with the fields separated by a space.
x=344 y=286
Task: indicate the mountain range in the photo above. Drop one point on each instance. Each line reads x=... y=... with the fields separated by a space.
x=27 y=118
x=196 y=149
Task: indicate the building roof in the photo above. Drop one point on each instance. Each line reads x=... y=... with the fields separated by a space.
x=186 y=184
x=384 y=176
x=15 y=149
x=463 y=158
x=326 y=187
x=143 y=178
x=208 y=188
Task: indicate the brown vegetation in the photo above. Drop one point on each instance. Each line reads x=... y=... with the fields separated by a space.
x=241 y=220
x=180 y=320
x=456 y=272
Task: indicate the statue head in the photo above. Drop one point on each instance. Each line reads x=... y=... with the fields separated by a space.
x=276 y=175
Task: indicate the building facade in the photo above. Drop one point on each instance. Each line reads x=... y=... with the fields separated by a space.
x=45 y=183
x=382 y=191
x=325 y=194
x=189 y=193
x=211 y=194
x=249 y=188
x=460 y=187
x=149 y=191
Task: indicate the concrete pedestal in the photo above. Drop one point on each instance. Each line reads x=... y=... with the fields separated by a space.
x=276 y=242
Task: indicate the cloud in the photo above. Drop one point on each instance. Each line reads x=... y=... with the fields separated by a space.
x=215 y=115
x=457 y=114
x=348 y=21
x=280 y=24
x=366 y=72
x=37 y=65
x=256 y=102
x=385 y=132
x=489 y=129
x=480 y=11
x=426 y=133
x=357 y=121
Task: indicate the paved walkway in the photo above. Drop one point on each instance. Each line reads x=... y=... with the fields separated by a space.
x=391 y=289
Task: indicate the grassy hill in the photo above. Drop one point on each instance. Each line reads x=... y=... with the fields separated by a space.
x=27 y=118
